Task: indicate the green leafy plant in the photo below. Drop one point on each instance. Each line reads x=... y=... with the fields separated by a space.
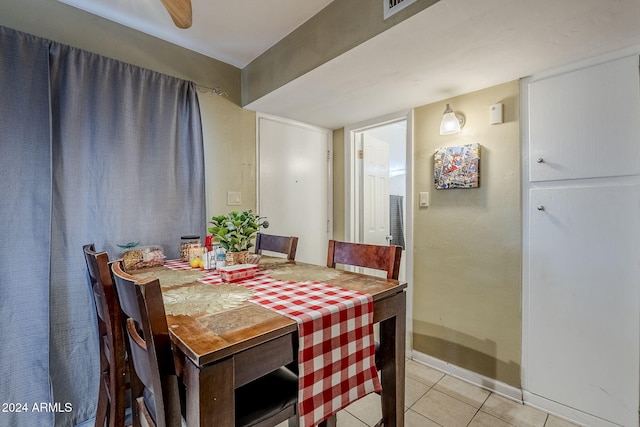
x=235 y=231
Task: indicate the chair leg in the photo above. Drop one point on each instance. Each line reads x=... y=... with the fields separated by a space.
x=103 y=405
x=136 y=390
x=118 y=401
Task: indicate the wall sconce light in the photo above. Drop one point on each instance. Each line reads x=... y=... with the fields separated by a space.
x=451 y=122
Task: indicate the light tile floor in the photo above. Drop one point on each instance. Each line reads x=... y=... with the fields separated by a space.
x=434 y=399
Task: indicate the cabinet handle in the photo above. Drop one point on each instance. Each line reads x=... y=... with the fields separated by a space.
x=540 y=160
x=540 y=207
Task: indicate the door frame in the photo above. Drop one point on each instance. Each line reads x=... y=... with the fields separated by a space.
x=351 y=196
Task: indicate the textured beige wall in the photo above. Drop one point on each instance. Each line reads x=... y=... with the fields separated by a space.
x=467 y=243
x=230 y=153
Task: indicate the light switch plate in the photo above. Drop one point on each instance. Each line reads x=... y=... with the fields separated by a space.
x=424 y=199
x=234 y=198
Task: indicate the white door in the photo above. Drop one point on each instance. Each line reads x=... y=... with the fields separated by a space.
x=293 y=184
x=375 y=190
x=375 y=194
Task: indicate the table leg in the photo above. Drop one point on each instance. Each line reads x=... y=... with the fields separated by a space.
x=210 y=396
x=392 y=348
x=329 y=422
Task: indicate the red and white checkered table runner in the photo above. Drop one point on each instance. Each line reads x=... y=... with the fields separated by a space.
x=336 y=349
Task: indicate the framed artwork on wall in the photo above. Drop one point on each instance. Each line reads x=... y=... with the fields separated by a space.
x=457 y=167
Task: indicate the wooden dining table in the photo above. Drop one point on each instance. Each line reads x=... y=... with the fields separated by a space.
x=242 y=341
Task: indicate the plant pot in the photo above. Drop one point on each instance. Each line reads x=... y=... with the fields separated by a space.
x=234 y=258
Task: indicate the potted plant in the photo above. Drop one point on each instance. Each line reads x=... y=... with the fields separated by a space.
x=235 y=232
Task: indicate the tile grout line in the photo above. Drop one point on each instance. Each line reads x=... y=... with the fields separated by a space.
x=432 y=386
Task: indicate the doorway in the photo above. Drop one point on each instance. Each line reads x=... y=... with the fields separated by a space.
x=378 y=189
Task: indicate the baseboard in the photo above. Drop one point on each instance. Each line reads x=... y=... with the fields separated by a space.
x=561 y=411
x=513 y=393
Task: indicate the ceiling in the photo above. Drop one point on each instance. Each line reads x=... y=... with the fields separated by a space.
x=232 y=31
x=451 y=48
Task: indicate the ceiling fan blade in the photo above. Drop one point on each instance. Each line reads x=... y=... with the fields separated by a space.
x=180 y=12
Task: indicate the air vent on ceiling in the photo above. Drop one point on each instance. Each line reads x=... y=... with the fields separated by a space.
x=394 y=6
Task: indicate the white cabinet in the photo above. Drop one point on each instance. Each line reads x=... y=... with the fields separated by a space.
x=581 y=299
x=580 y=123
x=584 y=295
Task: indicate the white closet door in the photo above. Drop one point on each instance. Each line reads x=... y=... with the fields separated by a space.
x=580 y=123
x=293 y=184
x=584 y=279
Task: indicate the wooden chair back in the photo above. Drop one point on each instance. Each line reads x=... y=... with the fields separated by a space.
x=378 y=257
x=151 y=356
x=112 y=401
x=281 y=244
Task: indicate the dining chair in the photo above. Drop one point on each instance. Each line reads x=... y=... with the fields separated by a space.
x=378 y=257
x=281 y=244
x=268 y=401
x=112 y=394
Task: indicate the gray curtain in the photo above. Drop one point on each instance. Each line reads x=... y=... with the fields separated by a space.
x=25 y=220
x=126 y=158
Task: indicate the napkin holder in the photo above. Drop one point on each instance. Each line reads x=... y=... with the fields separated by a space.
x=233 y=273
